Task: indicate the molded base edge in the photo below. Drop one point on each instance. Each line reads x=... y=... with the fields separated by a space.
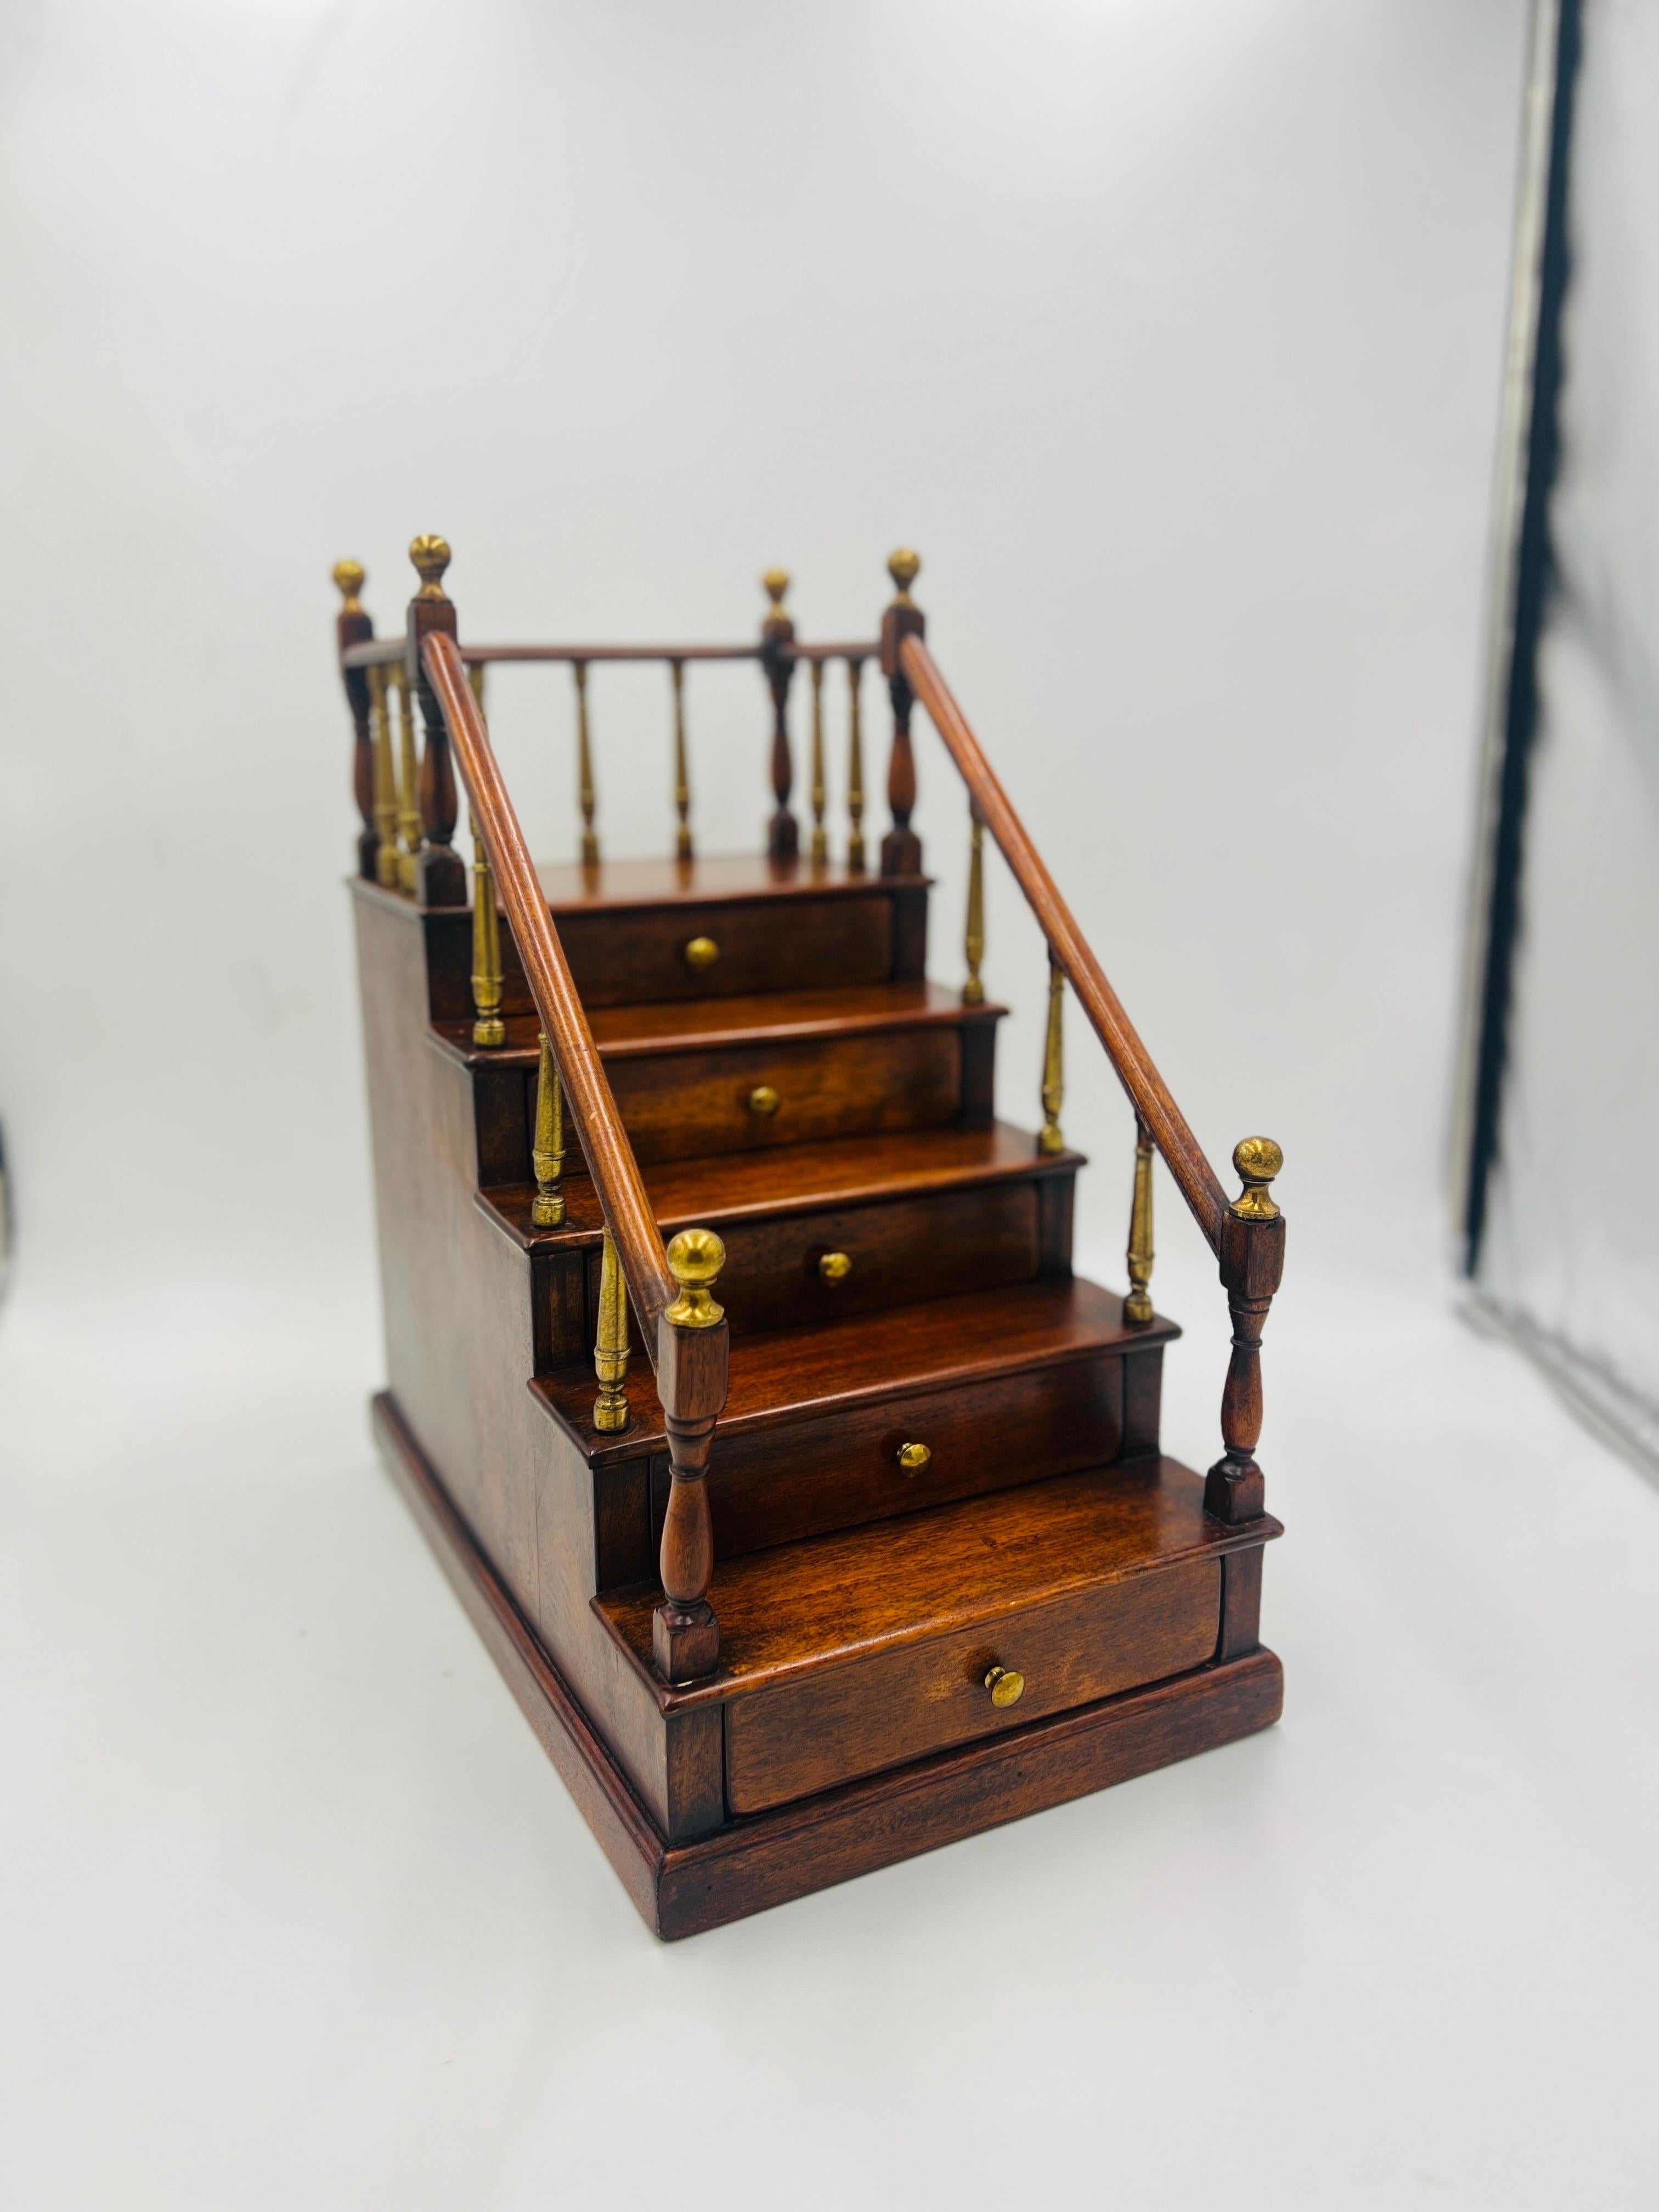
x=772 y=1857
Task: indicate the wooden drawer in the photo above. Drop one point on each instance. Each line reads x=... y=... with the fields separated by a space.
x=681 y=1105
x=862 y=1714
x=900 y=1251
x=635 y=958
x=802 y=1478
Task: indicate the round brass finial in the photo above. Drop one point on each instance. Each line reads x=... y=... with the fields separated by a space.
x=431 y=557
x=904 y=567
x=776 y=583
x=1256 y=1160
x=348 y=579
x=696 y=1257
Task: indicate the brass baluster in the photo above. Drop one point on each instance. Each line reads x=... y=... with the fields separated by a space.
x=585 y=769
x=475 y=682
x=409 y=783
x=385 y=788
x=547 y=1153
x=855 y=861
x=820 y=842
x=488 y=1028
x=611 y=1344
x=1053 y=1066
x=1138 y=1306
x=682 y=776
x=973 y=990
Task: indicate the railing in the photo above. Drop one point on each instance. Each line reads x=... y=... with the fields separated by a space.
x=409 y=814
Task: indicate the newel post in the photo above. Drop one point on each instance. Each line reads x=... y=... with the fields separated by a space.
x=691 y=1361
x=440 y=873
x=1252 y=1262
x=354 y=626
x=777 y=631
x=901 y=848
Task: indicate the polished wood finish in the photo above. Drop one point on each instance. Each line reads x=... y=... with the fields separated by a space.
x=777 y=635
x=901 y=848
x=353 y=627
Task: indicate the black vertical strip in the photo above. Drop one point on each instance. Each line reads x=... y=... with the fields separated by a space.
x=1535 y=580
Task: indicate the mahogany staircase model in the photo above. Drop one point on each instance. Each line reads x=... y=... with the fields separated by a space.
x=837 y=1527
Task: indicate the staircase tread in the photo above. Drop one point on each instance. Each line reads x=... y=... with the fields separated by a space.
x=789 y=1372
x=569 y=887
x=857 y=1592
x=708 y=1024
x=726 y=1187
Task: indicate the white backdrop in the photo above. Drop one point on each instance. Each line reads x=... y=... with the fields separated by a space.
x=1170 y=334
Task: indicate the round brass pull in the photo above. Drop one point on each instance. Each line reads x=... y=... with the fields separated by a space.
x=763 y=1099
x=702 y=952
x=913 y=1457
x=835 y=1267
x=1005 y=1686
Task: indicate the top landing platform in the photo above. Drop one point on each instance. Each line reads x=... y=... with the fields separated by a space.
x=728 y=877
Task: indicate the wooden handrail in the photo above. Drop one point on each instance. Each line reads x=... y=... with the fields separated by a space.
x=604 y=1143
x=1148 y=1093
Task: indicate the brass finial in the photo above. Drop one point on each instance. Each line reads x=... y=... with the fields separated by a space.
x=431 y=557
x=348 y=576
x=696 y=1256
x=776 y=583
x=904 y=567
x=1256 y=1160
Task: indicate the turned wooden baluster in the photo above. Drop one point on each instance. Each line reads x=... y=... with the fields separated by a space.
x=547 y=1148
x=973 y=940
x=691 y=1380
x=440 y=874
x=855 y=860
x=611 y=1413
x=409 y=784
x=1252 y=1260
x=353 y=626
x=901 y=848
x=777 y=631
x=820 y=839
x=584 y=792
x=682 y=773
x=386 y=780
x=1053 y=1061
x=1138 y=1306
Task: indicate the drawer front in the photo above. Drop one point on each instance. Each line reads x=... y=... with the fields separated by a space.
x=894 y=1254
x=801 y=1737
x=682 y=1105
x=638 y=957
x=804 y=1478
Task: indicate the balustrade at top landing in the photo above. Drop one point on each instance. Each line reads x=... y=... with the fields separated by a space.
x=408 y=817
x=377 y=674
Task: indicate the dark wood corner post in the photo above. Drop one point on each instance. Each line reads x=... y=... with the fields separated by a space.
x=1252 y=1255
x=692 y=1343
x=353 y=626
x=901 y=848
x=777 y=633
x=440 y=874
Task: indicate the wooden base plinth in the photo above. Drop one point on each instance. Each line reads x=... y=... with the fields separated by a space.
x=770 y=1857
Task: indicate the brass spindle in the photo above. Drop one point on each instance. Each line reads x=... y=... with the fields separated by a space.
x=385 y=788
x=409 y=783
x=547 y=1153
x=973 y=942
x=611 y=1344
x=585 y=769
x=855 y=862
x=488 y=1028
x=1053 y=1066
x=820 y=842
x=1138 y=1306
x=475 y=682
x=681 y=775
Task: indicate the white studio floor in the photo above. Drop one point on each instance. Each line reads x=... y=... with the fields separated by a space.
x=296 y=1914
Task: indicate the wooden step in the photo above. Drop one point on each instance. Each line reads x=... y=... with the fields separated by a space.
x=916 y=1215
x=774 y=926
x=741 y=1074
x=845 y=1654
x=1002 y=1388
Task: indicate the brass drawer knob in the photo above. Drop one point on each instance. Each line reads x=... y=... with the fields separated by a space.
x=913 y=1457
x=702 y=952
x=835 y=1267
x=763 y=1099
x=1005 y=1686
